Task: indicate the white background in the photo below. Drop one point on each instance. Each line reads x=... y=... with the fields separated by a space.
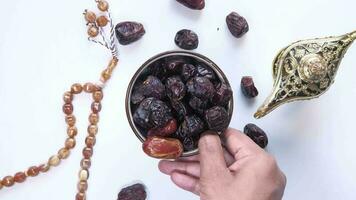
x=43 y=50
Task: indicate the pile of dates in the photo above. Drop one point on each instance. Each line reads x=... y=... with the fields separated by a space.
x=174 y=101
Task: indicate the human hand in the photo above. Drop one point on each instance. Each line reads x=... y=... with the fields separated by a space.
x=243 y=171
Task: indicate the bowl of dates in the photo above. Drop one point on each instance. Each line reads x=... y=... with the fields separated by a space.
x=173 y=98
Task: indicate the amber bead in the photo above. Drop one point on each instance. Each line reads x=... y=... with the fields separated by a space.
x=63 y=153
x=44 y=167
x=70 y=143
x=54 y=161
x=68 y=108
x=85 y=163
x=93 y=31
x=102 y=21
x=93 y=118
x=106 y=74
x=20 y=177
x=83 y=175
x=103 y=5
x=33 y=171
x=89 y=88
x=80 y=196
x=76 y=88
x=90 y=141
x=96 y=107
x=70 y=120
x=98 y=96
x=82 y=186
x=67 y=97
x=113 y=63
x=90 y=16
x=87 y=152
x=8 y=181
x=92 y=130
x=72 y=131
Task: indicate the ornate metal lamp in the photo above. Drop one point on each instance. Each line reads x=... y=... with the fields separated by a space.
x=305 y=70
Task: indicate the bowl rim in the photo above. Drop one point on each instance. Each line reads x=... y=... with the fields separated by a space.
x=222 y=77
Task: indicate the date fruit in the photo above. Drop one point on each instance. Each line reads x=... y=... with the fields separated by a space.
x=153 y=87
x=129 y=32
x=237 y=24
x=187 y=39
x=163 y=148
x=198 y=105
x=223 y=94
x=181 y=110
x=152 y=113
x=166 y=130
x=188 y=71
x=217 y=118
x=248 y=87
x=201 y=87
x=193 y=4
x=204 y=71
x=175 y=88
x=256 y=134
x=189 y=144
x=192 y=126
x=133 y=192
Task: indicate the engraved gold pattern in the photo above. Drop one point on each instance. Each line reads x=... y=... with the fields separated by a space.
x=305 y=70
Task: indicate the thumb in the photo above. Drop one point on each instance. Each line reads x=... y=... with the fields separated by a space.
x=212 y=160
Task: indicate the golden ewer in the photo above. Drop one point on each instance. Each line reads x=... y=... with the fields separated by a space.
x=305 y=70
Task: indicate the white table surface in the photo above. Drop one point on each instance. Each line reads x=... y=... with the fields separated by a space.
x=43 y=50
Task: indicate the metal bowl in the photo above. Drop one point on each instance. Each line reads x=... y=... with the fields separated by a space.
x=138 y=73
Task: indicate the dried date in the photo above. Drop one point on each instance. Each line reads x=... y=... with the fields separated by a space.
x=222 y=95
x=201 y=87
x=163 y=148
x=133 y=192
x=237 y=24
x=204 y=71
x=173 y=64
x=153 y=87
x=152 y=113
x=166 y=130
x=217 y=118
x=198 y=105
x=192 y=126
x=189 y=144
x=193 y=4
x=175 y=88
x=256 y=134
x=248 y=87
x=187 y=39
x=180 y=109
x=188 y=71
x=129 y=32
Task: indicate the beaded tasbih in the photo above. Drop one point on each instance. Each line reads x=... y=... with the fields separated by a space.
x=96 y=27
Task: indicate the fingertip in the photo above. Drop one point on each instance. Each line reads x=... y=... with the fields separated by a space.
x=163 y=167
x=231 y=131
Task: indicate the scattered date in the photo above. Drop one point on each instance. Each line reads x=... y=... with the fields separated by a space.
x=129 y=32
x=256 y=134
x=237 y=24
x=133 y=192
x=248 y=87
x=193 y=4
x=187 y=39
